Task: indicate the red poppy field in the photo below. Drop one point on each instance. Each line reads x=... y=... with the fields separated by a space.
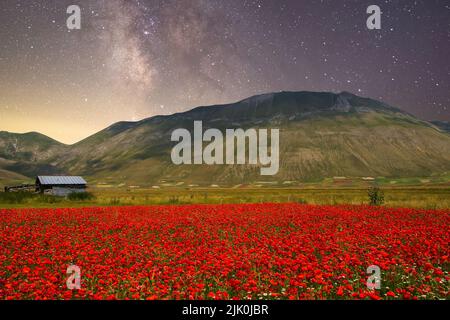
x=260 y=251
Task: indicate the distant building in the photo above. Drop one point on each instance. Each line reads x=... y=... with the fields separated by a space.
x=60 y=185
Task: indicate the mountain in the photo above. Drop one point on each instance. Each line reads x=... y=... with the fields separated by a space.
x=24 y=155
x=322 y=135
x=443 y=125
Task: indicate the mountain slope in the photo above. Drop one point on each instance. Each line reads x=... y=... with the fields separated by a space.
x=321 y=135
x=443 y=125
x=25 y=155
x=30 y=146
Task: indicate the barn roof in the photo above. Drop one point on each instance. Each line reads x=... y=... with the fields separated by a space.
x=61 y=180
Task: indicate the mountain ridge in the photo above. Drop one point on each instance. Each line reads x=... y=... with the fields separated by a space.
x=116 y=126
x=323 y=135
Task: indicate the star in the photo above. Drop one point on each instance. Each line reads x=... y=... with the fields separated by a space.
x=141 y=58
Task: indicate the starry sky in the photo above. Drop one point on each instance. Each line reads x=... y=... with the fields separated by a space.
x=139 y=58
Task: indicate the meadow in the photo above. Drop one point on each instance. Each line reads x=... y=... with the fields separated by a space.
x=246 y=251
x=226 y=243
x=436 y=197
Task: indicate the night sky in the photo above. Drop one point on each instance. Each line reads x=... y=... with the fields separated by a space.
x=138 y=58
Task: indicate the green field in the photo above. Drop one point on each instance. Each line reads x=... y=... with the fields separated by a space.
x=437 y=197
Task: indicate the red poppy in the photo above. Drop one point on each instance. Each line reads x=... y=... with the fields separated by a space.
x=255 y=251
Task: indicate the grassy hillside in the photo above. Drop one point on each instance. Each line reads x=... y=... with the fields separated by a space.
x=25 y=155
x=322 y=136
x=350 y=145
x=28 y=147
x=442 y=125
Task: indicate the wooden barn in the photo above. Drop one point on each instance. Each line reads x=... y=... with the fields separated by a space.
x=60 y=185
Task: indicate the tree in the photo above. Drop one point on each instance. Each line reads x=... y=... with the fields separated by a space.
x=376 y=196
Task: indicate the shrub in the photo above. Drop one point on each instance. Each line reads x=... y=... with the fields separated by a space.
x=114 y=201
x=80 y=196
x=174 y=200
x=376 y=196
x=15 y=197
x=48 y=198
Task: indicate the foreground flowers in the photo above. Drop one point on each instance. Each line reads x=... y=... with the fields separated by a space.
x=264 y=251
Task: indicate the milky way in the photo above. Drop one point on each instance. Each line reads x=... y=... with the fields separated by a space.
x=134 y=59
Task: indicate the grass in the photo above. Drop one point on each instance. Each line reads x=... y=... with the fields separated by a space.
x=412 y=197
x=28 y=198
